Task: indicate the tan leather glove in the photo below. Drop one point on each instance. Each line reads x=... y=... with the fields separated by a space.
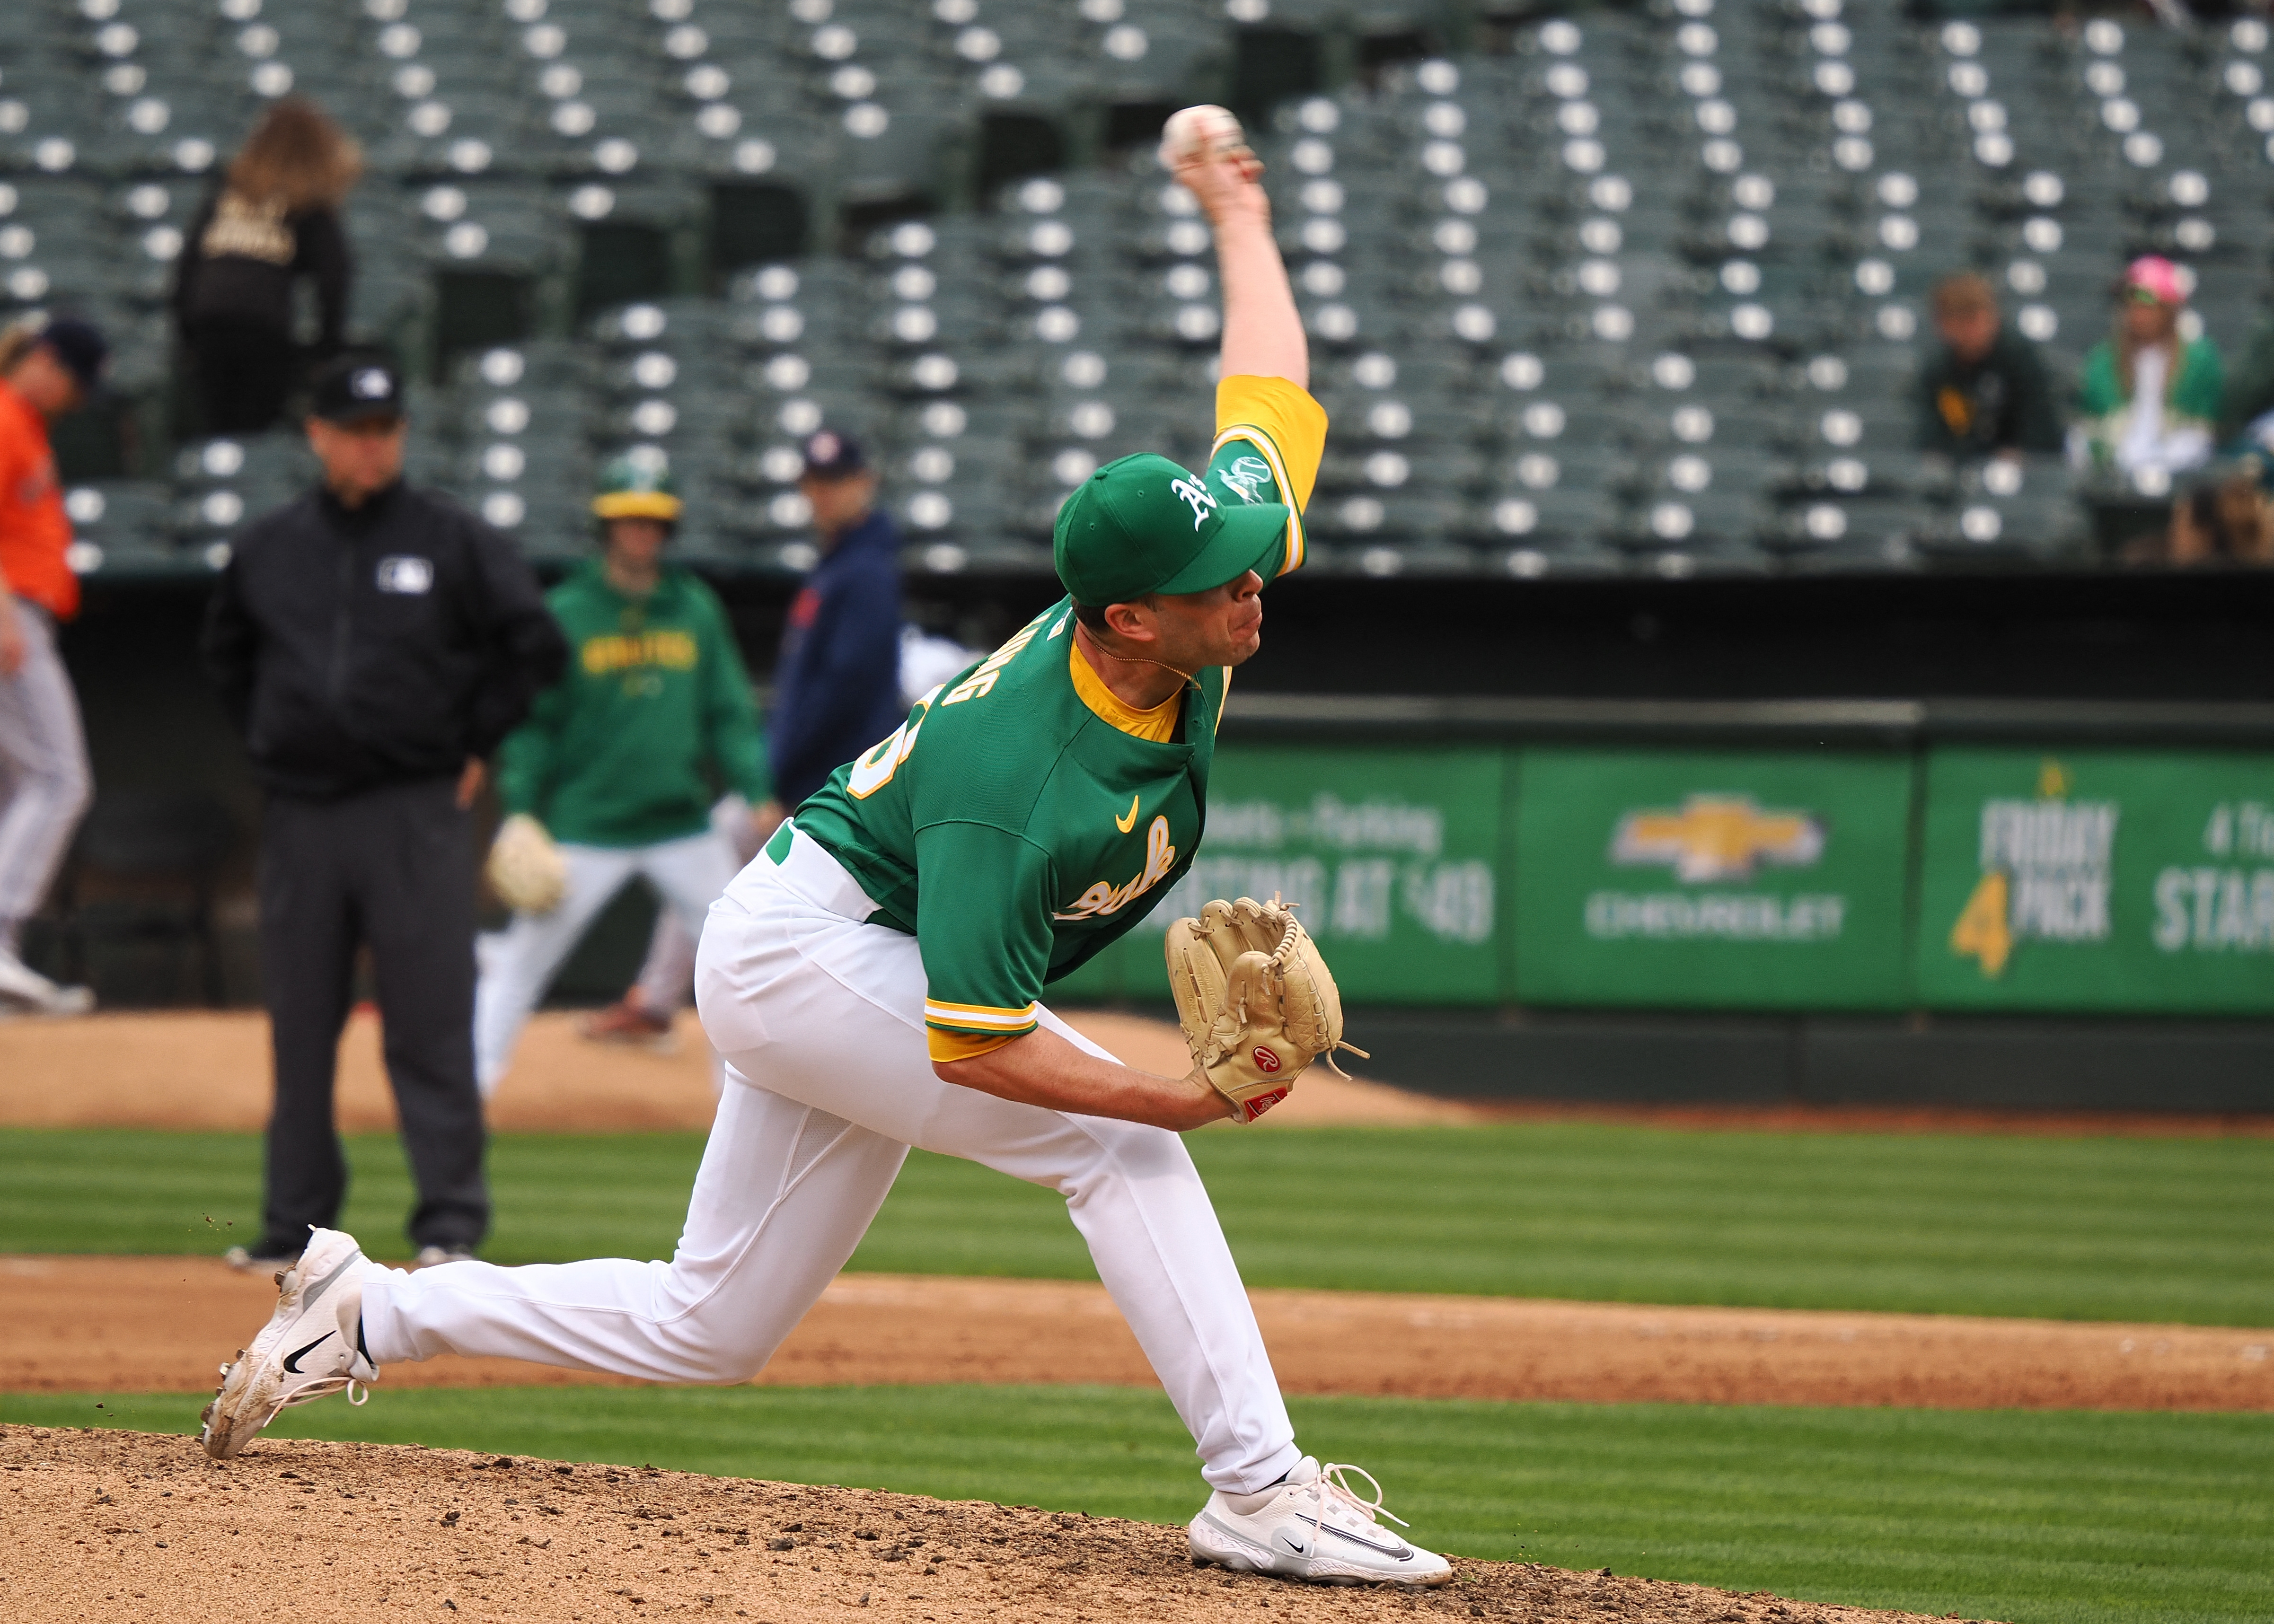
x=1255 y=998
x=525 y=869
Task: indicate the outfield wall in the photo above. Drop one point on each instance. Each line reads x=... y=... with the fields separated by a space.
x=1908 y=874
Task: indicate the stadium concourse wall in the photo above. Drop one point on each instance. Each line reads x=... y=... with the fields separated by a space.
x=1607 y=841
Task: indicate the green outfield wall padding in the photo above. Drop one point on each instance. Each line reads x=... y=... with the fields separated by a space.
x=1723 y=880
x=1957 y=878
x=2103 y=881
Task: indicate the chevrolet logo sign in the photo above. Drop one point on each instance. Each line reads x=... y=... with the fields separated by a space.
x=1718 y=838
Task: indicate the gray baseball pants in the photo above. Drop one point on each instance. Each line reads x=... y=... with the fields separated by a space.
x=44 y=780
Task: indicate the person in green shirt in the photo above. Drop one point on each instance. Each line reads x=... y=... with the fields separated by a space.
x=874 y=980
x=2149 y=398
x=623 y=760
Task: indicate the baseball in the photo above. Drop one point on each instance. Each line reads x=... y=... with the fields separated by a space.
x=1199 y=131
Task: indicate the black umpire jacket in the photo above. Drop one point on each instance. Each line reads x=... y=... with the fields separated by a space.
x=379 y=645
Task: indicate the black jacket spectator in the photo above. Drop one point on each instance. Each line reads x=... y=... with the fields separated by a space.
x=2003 y=402
x=273 y=221
x=381 y=645
x=240 y=259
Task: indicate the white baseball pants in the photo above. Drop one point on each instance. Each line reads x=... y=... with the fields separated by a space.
x=821 y=1020
x=44 y=782
x=519 y=963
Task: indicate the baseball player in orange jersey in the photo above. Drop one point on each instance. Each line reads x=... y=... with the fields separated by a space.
x=873 y=979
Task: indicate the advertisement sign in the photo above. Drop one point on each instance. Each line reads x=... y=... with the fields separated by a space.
x=1711 y=880
x=1389 y=856
x=2098 y=881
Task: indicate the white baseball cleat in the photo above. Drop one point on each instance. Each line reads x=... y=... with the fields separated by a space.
x=309 y=1349
x=1312 y=1526
x=21 y=984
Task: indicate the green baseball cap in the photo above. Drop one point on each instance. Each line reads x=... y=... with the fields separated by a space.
x=1144 y=524
x=636 y=488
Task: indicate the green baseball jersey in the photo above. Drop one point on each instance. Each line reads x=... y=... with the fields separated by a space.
x=1023 y=817
x=652 y=722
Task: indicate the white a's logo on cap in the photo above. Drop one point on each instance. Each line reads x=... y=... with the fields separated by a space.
x=1199 y=500
x=368 y=384
x=822 y=448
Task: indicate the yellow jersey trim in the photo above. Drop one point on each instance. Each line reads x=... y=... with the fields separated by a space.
x=978 y=1016
x=1158 y=724
x=1283 y=423
x=963 y=1045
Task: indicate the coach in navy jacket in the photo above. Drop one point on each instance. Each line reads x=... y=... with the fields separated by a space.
x=837 y=685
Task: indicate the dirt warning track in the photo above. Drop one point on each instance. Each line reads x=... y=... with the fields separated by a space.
x=115 y=1524
x=119 y=1325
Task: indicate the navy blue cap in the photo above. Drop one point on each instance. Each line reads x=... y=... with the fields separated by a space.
x=831 y=453
x=79 y=346
x=357 y=388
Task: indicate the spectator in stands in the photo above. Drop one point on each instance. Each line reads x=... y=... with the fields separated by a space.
x=44 y=781
x=1985 y=391
x=836 y=692
x=2150 y=398
x=274 y=221
x=2245 y=416
x=374 y=643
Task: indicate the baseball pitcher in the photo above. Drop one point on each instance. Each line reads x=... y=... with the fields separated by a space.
x=615 y=771
x=874 y=980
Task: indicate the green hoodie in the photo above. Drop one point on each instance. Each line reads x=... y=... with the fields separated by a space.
x=653 y=722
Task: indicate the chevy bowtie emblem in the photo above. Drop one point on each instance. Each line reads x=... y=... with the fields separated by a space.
x=1124 y=824
x=1718 y=838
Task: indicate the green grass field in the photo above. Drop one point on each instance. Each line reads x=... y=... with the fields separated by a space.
x=2117 y=1228
x=2041 y=1518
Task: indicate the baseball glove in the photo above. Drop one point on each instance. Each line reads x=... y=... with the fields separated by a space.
x=1255 y=998
x=525 y=867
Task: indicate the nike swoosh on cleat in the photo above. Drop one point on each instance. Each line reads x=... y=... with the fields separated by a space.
x=292 y=1360
x=1400 y=1552
x=310 y=1293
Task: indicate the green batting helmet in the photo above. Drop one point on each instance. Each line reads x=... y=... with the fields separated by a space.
x=636 y=488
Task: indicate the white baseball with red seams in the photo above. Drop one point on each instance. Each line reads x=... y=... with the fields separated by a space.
x=1199 y=130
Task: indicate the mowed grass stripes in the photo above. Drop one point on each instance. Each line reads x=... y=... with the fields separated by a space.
x=2114 y=1229
x=2039 y=1517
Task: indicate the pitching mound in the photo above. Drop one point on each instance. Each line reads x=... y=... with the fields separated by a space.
x=101 y=1521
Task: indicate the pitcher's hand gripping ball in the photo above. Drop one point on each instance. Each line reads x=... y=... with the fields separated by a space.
x=525 y=869
x=1200 y=133
x=1256 y=1000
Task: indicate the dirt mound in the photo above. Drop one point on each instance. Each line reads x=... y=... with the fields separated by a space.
x=101 y=1520
x=209 y=1069
x=142 y=1325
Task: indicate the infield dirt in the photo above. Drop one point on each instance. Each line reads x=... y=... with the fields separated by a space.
x=138 y=1325
x=116 y=1524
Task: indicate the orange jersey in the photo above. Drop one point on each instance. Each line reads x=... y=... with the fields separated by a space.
x=34 y=531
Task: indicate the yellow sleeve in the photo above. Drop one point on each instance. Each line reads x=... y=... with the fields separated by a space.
x=1288 y=429
x=965 y=1045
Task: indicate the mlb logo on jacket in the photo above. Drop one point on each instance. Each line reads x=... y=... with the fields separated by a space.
x=401 y=574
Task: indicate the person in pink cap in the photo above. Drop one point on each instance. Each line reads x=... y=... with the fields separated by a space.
x=2150 y=397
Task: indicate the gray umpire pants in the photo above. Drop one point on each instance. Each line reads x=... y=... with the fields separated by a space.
x=44 y=782
x=390 y=868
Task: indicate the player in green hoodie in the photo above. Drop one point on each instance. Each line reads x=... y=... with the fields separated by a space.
x=624 y=758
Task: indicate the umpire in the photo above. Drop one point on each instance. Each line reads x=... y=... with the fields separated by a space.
x=374 y=644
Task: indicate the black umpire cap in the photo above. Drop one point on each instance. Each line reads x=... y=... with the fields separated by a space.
x=357 y=388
